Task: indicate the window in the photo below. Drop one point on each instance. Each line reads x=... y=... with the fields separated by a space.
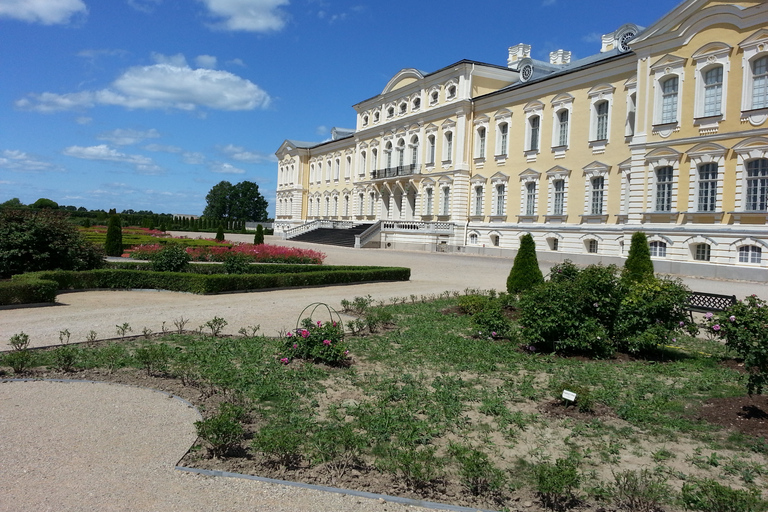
x=554 y=244
x=327 y=206
x=629 y=129
x=707 y=187
x=558 y=196
x=601 y=112
x=375 y=159
x=481 y=142
x=416 y=103
x=401 y=153
x=533 y=141
x=598 y=192
x=309 y=207
x=414 y=151
x=433 y=98
x=451 y=92
x=448 y=153
x=346 y=206
x=713 y=91
x=348 y=168
x=473 y=238
x=403 y=108
x=479 y=200
x=337 y=170
x=669 y=100
x=372 y=204
x=503 y=139
x=365 y=120
x=562 y=128
x=500 y=199
x=760 y=83
x=495 y=240
x=388 y=150
x=363 y=162
x=757 y=185
x=376 y=117
x=446 y=209
x=335 y=206
x=664 y=189
x=361 y=204
x=428 y=203
x=530 y=198
x=701 y=252
x=750 y=254
x=658 y=249
x=431 y=149
x=592 y=246
x=390 y=112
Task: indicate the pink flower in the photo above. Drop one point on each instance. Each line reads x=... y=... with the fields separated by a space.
x=327 y=342
x=304 y=333
x=284 y=360
x=682 y=324
x=716 y=327
x=708 y=316
x=295 y=346
x=493 y=334
x=319 y=323
x=346 y=352
x=732 y=318
x=289 y=335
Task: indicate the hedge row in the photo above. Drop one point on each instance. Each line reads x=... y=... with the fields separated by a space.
x=211 y=283
x=253 y=268
x=27 y=291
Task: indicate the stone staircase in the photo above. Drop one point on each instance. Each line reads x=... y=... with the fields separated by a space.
x=330 y=236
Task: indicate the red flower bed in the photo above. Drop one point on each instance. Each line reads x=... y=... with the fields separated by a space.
x=263 y=253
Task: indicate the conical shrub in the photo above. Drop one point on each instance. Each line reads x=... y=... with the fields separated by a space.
x=113 y=245
x=638 y=266
x=525 y=273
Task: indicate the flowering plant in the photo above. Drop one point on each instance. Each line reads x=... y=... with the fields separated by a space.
x=320 y=342
x=744 y=327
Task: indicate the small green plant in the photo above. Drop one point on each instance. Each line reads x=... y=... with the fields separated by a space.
x=639 y=491
x=20 y=358
x=557 y=483
x=249 y=331
x=477 y=472
x=216 y=325
x=709 y=496
x=584 y=401
x=153 y=357
x=525 y=273
x=123 y=329
x=91 y=336
x=258 y=238
x=180 y=323
x=223 y=431
x=171 y=258
x=146 y=332
x=417 y=466
x=220 y=233
x=638 y=266
x=64 y=336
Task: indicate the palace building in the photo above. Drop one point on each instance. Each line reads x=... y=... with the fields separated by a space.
x=664 y=130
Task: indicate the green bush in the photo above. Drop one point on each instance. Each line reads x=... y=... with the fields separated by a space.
x=525 y=273
x=477 y=472
x=317 y=341
x=223 y=432
x=237 y=263
x=639 y=491
x=171 y=258
x=42 y=240
x=20 y=358
x=219 y=233
x=113 y=245
x=26 y=289
x=258 y=238
x=710 y=496
x=638 y=265
x=557 y=483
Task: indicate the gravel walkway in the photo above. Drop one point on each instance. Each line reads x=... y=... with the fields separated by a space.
x=106 y=447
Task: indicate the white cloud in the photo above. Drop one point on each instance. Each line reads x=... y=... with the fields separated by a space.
x=162 y=148
x=321 y=130
x=193 y=158
x=20 y=161
x=83 y=120
x=236 y=62
x=206 y=61
x=168 y=84
x=224 y=168
x=147 y=6
x=47 y=12
x=127 y=137
x=102 y=152
x=240 y=154
x=247 y=15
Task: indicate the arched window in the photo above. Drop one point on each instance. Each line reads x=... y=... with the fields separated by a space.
x=416 y=105
x=757 y=185
x=473 y=238
x=401 y=153
x=701 y=252
x=750 y=254
x=388 y=150
x=431 y=149
x=658 y=249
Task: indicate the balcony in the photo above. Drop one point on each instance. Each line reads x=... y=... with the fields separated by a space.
x=395 y=172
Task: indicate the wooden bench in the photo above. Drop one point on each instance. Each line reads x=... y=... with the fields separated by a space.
x=708 y=302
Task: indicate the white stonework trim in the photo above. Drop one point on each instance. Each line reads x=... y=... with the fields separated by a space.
x=707 y=57
x=657 y=158
x=598 y=94
x=595 y=170
x=665 y=68
x=707 y=152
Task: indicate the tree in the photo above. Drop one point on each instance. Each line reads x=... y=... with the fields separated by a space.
x=113 y=245
x=638 y=266
x=525 y=273
x=12 y=203
x=220 y=233
x=43 y=203
x=258 y=238
x=242 y=201
x=33 y=240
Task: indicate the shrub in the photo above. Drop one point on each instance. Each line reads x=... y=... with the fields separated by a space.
x=42 y=240
x=638 y=265
x=557 y=483
x=20 y=358
x=154 y=357
x=220 y=233
x=477 y=472
x=491 y=321
x=113 y=245
x=639 y=491
x=710 y=496
x=525 y=273
x=237 y=263
x=26 y=289
x=258 y=238
x=323 y=343
x=744 y=327
x=171 y=258
x=223 y=431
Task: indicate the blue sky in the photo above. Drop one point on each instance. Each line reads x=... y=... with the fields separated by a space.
x=146 y=104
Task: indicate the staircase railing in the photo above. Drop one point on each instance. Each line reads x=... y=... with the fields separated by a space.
x=369 y=234
x=317 y=224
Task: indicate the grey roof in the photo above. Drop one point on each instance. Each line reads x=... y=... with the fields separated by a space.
x=302 y=145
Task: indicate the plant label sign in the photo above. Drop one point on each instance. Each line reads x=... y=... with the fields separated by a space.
x=569 y=395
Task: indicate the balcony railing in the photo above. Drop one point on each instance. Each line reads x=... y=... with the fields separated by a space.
x=394 y=172
x=410 y=226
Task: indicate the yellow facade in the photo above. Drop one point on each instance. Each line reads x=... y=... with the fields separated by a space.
x=664 y=130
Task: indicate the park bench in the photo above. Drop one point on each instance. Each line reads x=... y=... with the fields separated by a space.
x=702 y=302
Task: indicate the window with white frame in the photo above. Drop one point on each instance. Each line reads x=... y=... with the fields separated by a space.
x=403 y=108
x=760 y=82
x=495 y=240
x=707 y=185
x=554 y=243
x=480 y=146
x=664 y=176
x=390 y=112
x=558 y=196
x=401 y=153
x=309 y=207
x=414 y=150
x=530 y=198
x=372 y=203
x=374 y=159
x=431 y=150
x=361 y=204
x=365 y=120
x=597 y=185
x=448 y=148
x=473 y=238
x=376 y=117
x=701 y=252
x=713 y=91
x=363 y=163
x=757 y=185
x=348 y=168
x=335 y=206
x=750 y=254
x=658 y=249
x=478 y=210
x=562 y=128
x=451 y=92
x=327 y=206
x=500 y=198
x=312 y=173
x=629 y=128
x=601 y=120
x=533 y=133
x=503 y=142
x=433 y=98
x=592 y=246
x=446 y=204
x=337 y=170
x=669 y=96
x=428 y=201
x=346 y=206
x=416 y=105
x=388 y=151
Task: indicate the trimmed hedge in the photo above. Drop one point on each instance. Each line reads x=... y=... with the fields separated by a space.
x=31 y=290
x=253 y=268
x=214 y=283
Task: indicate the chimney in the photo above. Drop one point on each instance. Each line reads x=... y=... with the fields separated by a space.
x=518 y=53
x=560 y=57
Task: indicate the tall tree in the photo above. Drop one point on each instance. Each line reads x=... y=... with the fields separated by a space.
x=113 y=245
x=242 y=201
x=638 y=265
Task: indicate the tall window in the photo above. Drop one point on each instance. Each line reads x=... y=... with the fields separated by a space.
x=534 y=133
x=335 y=206
x=658 y=249
x=401 y=153
x=562 y=127
x=602 y=121
x=428 y=201
x=448 y=156
x=446 y=209
x=558 y=199
x=503 y=138
x=701 y=252
x=431 y=149
x=337 y=170
x=669 y=100
x=363 y=166
x=500 y=198
x=361 y=204
x=346 y=206
x=713 y=91
x=707 y=187
x=372 y=204
x=760 y=83
x=598 y=192
x=414 y=151
x=750 y=254
x=348 y=168
x=530 y=198
x=388 y=150
x=374 y=159
x=757 y=185
x=481 y=132
x=479 y=200
x=310 y=203
x=664 y=189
